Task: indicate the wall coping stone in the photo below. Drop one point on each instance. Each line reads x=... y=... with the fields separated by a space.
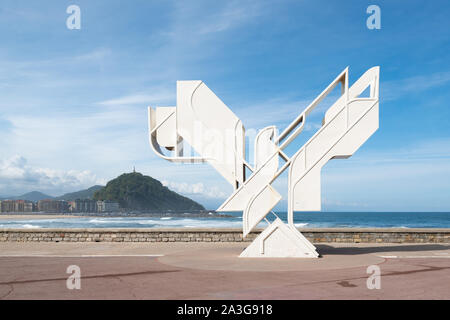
x=221 y=230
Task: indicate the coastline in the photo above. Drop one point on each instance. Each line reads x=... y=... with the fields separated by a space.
x=212 y=220
x=47 y=215
x=37 y=216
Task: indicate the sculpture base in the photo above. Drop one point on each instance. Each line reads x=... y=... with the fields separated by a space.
x=279 y=240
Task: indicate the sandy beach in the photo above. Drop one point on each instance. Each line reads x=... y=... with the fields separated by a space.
x=35 y=216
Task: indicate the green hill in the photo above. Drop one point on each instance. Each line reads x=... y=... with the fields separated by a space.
x=32 y=196
x=82 y=194
x=138 y=192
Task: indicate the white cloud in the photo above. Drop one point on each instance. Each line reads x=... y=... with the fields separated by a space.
x=214 y=19
x=95 y=55
x=78 y=139
x=234 y=14
x=17 y=176
x=282 y=110
x=195 y=189
x=159 y=96
x=198 y=31
x=414 y=178
x=395 y=89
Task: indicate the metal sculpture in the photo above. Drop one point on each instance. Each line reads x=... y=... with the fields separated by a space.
x=203 y=121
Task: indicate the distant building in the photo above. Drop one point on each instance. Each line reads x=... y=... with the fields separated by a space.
x=7 y=206
x=107 y=206
x=53 y=206
x=83 y=205
x=16 y=206
x=23 y=206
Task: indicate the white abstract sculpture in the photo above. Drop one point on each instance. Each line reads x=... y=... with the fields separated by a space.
x=203 y=121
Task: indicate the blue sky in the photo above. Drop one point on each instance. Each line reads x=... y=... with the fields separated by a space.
x=73 y=102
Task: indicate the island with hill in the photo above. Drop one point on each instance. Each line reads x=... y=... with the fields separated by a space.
x=134 y=191
x=130 y=194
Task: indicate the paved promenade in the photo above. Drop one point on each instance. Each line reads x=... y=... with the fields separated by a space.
x=213 y=271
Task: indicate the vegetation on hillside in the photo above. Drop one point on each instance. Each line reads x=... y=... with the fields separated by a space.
x=138 y=192
x=82 y=194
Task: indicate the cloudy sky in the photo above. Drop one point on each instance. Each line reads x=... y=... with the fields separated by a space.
x=73 y=102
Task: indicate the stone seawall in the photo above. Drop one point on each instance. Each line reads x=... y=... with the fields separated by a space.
x=350 y=235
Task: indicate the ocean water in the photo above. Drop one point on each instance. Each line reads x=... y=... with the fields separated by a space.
x=302 y=220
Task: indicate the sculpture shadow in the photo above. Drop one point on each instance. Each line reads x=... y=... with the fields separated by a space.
x=330 y=250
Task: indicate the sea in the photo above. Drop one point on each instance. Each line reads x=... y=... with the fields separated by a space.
x=234 y=220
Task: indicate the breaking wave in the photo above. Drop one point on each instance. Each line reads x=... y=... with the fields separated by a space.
x=234 y=220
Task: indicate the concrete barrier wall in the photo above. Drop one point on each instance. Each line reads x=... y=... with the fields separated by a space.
x=351 y=235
